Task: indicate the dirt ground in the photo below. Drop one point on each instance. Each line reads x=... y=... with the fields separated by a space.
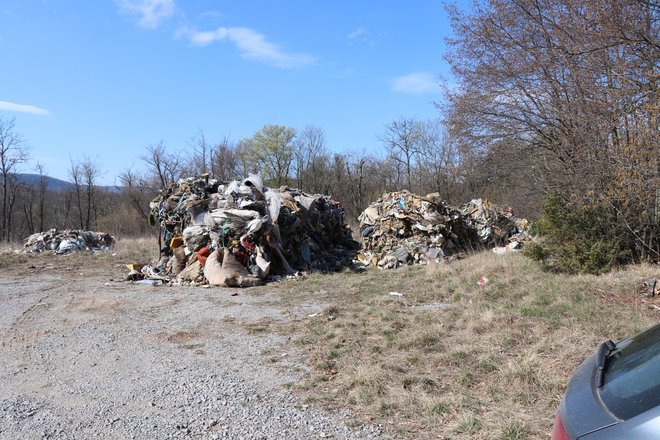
x=87 y=355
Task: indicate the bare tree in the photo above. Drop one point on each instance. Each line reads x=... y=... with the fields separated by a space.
x=62 y=209
x=13 y=152
x=42 y=188
x=310 y=156
x=90 y=173
x=164 y=168
x=225 y=161
x=28 y=196
x=134 y=190
x=84 y=175
x=203 y=153
x=75 y=174
x=570 y=89
x=439 y=161
x=402 y=141
x=361 y=172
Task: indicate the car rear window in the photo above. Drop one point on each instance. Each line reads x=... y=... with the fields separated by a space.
x=632 y=378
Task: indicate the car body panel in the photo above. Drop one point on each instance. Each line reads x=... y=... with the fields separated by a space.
x=580 y=409
x=626 y=406
x=645 y=426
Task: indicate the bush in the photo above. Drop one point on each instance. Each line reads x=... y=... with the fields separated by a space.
x=579 y=236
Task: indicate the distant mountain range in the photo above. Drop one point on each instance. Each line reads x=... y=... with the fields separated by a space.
x=53 y=184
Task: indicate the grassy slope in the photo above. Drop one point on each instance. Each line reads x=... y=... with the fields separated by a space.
x=492 y=365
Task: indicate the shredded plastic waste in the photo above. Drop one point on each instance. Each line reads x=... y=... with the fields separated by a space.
x=403 y=228
x=242 y=233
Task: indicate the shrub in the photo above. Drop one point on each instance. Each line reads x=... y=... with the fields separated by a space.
x=579 y=235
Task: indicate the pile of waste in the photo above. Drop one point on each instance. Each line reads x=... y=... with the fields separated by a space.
x=498 y=229
x=404 y=228
x=241 y=233
x=61 y=242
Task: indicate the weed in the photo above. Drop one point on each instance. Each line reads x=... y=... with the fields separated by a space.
x=514 y=431
x=440 y=408
x=469 y=425
x=253 y=329
x=466 y=379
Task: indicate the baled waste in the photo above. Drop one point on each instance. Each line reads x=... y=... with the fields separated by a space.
x=61 y=242
x=241 y=233
x=404 y=228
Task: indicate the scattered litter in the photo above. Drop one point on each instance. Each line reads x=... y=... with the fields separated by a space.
x=134 y=275
x=61 y=242
x=396 y=294
x=403 y=228
x=315 y=315
x=135 y=266
x=651 y=287
x=513 y=246
x=483 y=281
x=241 y=234
x=150 y=282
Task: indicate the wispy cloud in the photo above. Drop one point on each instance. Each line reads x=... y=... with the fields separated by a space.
x=360 y=35
x=251 y=45
x=151 y=13
x=22 y=108
x=356 y=33
x=417 y=83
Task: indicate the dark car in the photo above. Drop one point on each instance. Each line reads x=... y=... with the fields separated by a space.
x=615 y=393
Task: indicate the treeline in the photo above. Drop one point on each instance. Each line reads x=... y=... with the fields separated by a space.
x=562 y=97
x=555 y=112
x=416 y=155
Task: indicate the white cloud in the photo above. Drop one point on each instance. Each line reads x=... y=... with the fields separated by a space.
x=251 y=45
x=361 y=35
x=356 y=33
x=417 y=83
x=151 y=12
x=22 y=108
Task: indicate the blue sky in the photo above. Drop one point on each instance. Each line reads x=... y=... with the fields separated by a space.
x=105 y=78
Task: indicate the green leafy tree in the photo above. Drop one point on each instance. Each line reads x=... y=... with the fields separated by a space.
x=271 y=151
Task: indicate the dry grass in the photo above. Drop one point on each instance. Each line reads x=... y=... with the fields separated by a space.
x=9 y=256
x=449 y=359
x=125 y=251
x=492 y=365
x=139 y=249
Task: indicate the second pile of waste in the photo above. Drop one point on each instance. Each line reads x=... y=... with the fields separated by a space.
x=241 y=233
x=404 y=228
x=67 y=240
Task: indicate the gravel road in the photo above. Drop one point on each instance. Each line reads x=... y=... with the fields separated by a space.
x=83 y=357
